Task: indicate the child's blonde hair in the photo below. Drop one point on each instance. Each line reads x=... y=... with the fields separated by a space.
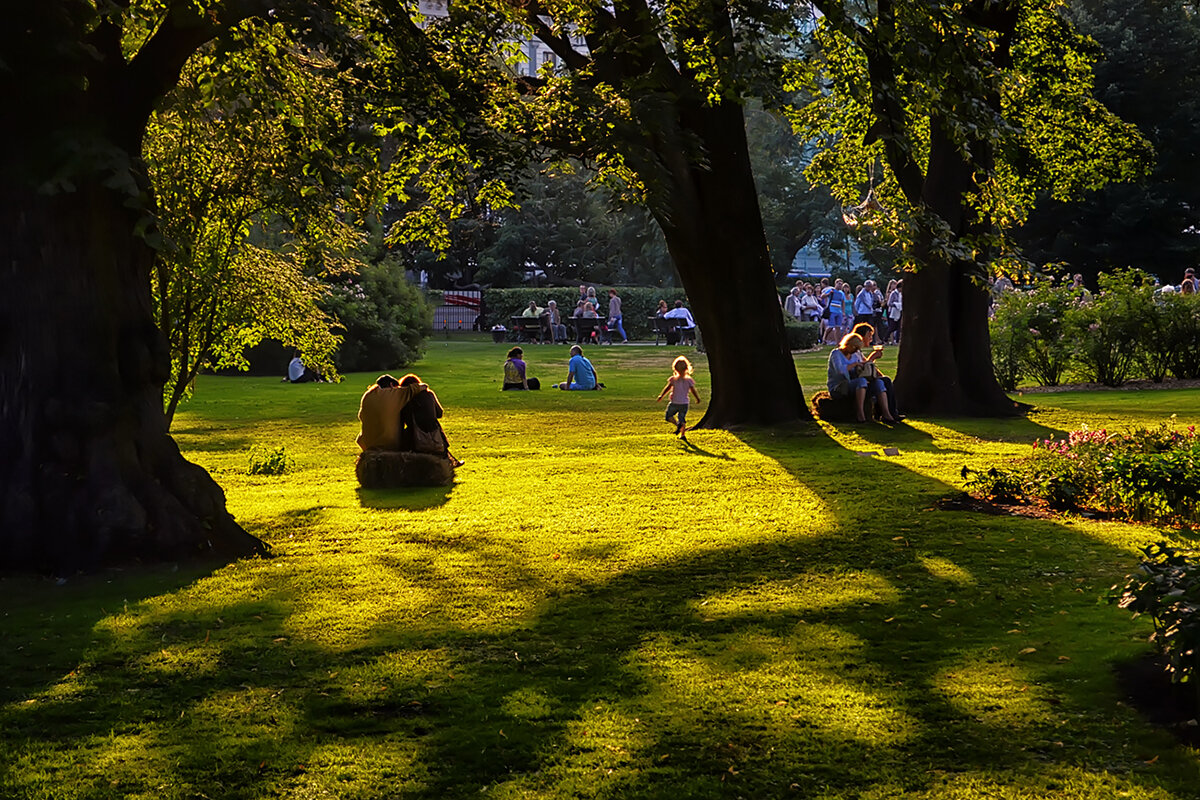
x=687 y=365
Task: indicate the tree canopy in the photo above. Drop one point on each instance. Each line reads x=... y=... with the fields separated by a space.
x=1149 y=74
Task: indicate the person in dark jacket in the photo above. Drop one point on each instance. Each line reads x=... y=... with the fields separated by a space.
x=421 y=432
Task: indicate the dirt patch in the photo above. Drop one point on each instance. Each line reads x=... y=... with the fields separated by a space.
x=1131 y=386
x=967 y=502
x=1148 y=688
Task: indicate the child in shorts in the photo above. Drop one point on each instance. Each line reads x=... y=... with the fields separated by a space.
x=679 y=385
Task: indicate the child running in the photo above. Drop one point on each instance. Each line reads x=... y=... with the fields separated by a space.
x=679 y=384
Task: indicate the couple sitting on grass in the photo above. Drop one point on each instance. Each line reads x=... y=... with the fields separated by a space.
x=402 y=415
x=581 y=375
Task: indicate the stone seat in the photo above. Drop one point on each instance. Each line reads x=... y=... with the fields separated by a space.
x=391 y=469
x=834 y=409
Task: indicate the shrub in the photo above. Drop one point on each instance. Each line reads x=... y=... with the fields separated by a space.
x=269 y=461
x=1167 y=589
x=1106 y=332
x=1149 y=475
x=1181 y=325
x=801 y=335
x=386 y=318
x=1027 y=335
x=995 y=484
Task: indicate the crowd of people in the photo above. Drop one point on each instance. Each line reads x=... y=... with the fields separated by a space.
x=610 y=323
x=838 y=306
x=609 y=326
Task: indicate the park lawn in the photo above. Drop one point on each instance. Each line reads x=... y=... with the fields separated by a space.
x=596 y=609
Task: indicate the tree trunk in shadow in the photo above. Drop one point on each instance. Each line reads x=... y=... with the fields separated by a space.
x=945 y=362
x=713 y=229
x=89 y=475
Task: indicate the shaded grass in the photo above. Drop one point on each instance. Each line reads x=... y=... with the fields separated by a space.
x=596 y=609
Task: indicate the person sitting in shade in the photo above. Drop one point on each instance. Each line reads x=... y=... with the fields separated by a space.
x=298 y=373
x=379 y=412
x=553 y=320
x=684 y=321
x=866 y=332
x=581 y=375
x=534 y=311
x=853 y=378
x=514 y=372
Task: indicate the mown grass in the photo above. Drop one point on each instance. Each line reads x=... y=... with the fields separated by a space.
x=596 y=609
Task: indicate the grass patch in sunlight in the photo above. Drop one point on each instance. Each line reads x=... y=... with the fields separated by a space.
x=596 y=609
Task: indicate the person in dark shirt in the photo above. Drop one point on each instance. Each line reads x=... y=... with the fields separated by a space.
x=422 y=433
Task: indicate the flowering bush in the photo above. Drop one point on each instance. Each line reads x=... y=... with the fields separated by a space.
x=1128 y=330
x=1027 y=335
x=1107 y=333
x=1150 y=474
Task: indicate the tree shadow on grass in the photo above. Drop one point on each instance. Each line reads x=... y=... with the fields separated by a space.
x=913 y=436
x=414 y=498
x=834 y=659
x=691 y=448
x=45 y=624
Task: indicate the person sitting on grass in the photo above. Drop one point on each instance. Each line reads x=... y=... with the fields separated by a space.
x=514 y=373
x=581 y=375
x=679 y=385
x=422 y=433
x=379 y=412
x=851 y=378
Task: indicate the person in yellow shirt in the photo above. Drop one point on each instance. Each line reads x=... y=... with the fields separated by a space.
x=379 y=412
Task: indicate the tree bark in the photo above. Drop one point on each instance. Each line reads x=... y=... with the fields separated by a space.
x=89 y=475
x=713 y=229
x=945 y=361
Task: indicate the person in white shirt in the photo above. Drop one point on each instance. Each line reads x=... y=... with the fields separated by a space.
x=685 y=323
x=895 y=310
x=681 y=313
x=792 y=304
x=864 y=303
x=298 y=373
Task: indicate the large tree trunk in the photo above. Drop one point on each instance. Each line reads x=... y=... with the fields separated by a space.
x=88 y=473
x=713 y=229
x=945 y=362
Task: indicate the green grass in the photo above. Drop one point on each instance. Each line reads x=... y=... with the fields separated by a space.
x=596 y=609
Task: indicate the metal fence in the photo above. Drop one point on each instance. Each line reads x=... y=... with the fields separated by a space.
x=458 y=312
